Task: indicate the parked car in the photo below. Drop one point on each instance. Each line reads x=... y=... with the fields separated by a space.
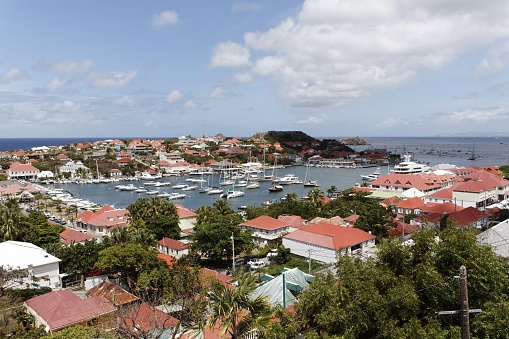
x=253 y=261
x=257 y=265
x=272 y=253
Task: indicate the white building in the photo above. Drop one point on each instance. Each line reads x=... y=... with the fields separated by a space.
x=323 y=242
x=42 y=267
x=72 y=167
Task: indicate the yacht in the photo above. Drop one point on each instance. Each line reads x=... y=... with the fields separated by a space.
x=174 y=196
x=409 y=167
x=129 y=187
x=276 y=188
x=289 y=179
x=372 y=176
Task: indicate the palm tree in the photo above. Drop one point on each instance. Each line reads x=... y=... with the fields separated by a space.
x=235 y=312
x=331 y=190
x=222 y=207
x=292 y=196
x=315 y=195
x=203 y=213
x=10 y=218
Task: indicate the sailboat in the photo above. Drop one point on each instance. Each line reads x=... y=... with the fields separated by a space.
x=472 y=157
x=307 y=179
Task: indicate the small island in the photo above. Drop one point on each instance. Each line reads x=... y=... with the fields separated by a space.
x=354 y=141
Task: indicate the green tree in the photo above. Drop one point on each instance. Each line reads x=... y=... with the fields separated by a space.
x=235 y=312
x=10 y=218
x=145 y=209
x=164 y=226
x=130 y=260
x=213 y=240
x=80 y=332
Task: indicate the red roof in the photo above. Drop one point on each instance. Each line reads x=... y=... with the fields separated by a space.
x=147 y=318
x=69 y=236
x=17 y=167
x=330 y=236
x=411 y=203
x=293 y=220
x=184 y=212
x=106 y=216
x=403 y=227
x=220 y=276
x=446 y=207
x=60 y=309
x=173 y=244
x=265 y=222
x=168 y=258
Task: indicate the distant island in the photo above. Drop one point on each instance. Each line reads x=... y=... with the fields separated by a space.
x=354 y=141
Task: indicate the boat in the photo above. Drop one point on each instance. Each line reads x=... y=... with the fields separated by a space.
x=175 y=196
x=129 y=187
x=161 y=184
x=409 y=167
x=148 y=176
x=253 y=184
x=215 y=191
x=150 y=183
x=372 y=176
x=276 y=188
x=152 y=192
x=141 y=190
x=232 y=193
x=307 y=179
x=189 y=188
x=177 y=186
x=241 y=183
x=289 y=179
x=164 y=195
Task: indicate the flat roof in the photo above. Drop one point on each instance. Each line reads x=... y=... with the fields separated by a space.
x=18 y=255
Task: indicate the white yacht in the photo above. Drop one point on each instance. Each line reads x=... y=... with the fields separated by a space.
x=372 y=176
x=409 y=167
x=289 y=179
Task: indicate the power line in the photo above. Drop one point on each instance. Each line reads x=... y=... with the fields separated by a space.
x=348 y=316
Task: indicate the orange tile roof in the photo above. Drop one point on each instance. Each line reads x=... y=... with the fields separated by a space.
x=330 y=236
x=147 y=318
x=69 y=236
x=265 y=222
x=173 y=244
x=411 y=203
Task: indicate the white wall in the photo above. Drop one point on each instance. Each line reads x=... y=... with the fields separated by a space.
x=318 y=253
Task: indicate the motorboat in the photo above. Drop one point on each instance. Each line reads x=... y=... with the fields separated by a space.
x=189 y=188
x=276 y=188
x=161 y=184
x=409 y=167
x=152 y=192
x=289 y=179
x=175 y=196
x=178 y=186
x=372 y=176
x=150 y=183
x=164 y=195
x=241 y=183
x=129 y=187
x=141 y=190
x=215 y=191
x=231 y=193
x=253 y=184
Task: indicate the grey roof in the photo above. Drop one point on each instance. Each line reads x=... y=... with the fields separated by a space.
x=18 y=255
x=497 y=237
x=295 y=279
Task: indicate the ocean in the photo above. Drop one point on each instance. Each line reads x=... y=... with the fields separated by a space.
x=432 y=151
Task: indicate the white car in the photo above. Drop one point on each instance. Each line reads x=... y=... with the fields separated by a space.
x=257 y=265
x=272 y=253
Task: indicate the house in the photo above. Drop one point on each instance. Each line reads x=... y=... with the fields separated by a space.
x=61 y=309
x=267 y=230
x=497 y=237
x=73 y=168
x=113 y=293
x=207 y=273
x=40 y=265
x=323 y=242
x=71 y=236
x=148 y=322
x=465 y=218
x=283 y=289
x=172 y=247
x=410 y=206
x=22 y=171
x=114 y=173
x=104 y=220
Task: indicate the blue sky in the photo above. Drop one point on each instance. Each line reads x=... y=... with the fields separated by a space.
x=325 y=67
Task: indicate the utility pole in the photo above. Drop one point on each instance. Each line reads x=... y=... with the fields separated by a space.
x=233 y=256
x=309 y=261
x=465 y=311
x=465 y=320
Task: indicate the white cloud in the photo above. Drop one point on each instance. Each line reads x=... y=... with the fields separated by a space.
x=12 y=74
x=312 y=120
x=334 y=52
x=165 y=18
x=125 y=101
x=494 y=62
x=473 y=116
x=150 y=123
x=190 y=104
x=173 y=96
x=64 y=66
x=230 y=54
x=55 y=84
x=242 y=78
x=245 y=6
x=391 y=122
x=218 y=93
x=114 y=79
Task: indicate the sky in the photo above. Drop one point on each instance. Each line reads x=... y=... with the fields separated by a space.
x=328 y=68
